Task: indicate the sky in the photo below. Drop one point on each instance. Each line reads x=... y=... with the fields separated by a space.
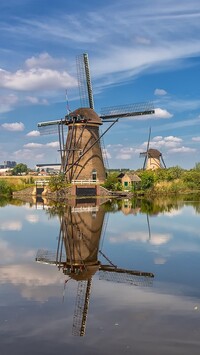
x=139 y=51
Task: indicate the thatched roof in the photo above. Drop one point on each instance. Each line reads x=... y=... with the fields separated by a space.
x=88 y=113
x=154 y=153
x=133 y=177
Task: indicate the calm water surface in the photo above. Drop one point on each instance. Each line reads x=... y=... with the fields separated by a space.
x=69 y=278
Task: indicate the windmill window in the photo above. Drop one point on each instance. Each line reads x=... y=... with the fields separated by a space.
x=94 y=175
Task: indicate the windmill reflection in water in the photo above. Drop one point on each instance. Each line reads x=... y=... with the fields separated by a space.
x=81 y=229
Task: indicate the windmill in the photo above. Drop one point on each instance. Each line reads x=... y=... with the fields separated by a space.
x=77 y=253
x=81 y=152
x=153 y=158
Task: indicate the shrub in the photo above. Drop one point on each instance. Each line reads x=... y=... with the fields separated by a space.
x=5 y=188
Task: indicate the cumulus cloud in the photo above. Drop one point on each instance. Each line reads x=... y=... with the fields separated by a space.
x=173 y=139
x=44 y=60
x=52 y=144
x=161 y=113
x=160 y=142
x=33 y=145
x=160 y=92
x=16 y=126
x=36 y=79
x=40 y=145
x=33 y=133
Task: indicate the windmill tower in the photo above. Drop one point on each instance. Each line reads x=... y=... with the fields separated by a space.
x=77 y=253
x=81 y=153
x=153 y=158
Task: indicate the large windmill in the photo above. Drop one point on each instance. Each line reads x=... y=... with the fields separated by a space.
x=153 y=158
x=81 y=153
x=77 y=254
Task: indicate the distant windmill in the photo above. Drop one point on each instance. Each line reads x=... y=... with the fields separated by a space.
x=77 y=256
x=81 y=152
x=153 y=158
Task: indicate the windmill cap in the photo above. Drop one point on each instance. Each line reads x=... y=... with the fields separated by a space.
x=154 y=153
x=87 y=113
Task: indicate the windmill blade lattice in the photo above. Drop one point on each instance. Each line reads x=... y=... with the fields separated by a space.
x=84 y=81
x=131 y=110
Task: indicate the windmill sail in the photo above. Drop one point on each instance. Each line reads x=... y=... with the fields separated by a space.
x=84 y=81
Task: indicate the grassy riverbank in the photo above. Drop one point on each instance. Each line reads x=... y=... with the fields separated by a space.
x=159 y=182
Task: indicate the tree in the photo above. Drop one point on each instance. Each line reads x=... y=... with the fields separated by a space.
x=112 y=182
x=148 y=178
x=197 y=166
x=20 y=169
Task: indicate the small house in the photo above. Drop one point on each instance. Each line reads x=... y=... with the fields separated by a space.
x=129 y=180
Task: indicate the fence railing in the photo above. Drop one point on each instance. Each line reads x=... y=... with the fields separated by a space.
x=41 y=182
x=85 y=182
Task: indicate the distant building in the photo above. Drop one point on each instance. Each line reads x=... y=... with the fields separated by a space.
x=9 y=164
x=48 y=168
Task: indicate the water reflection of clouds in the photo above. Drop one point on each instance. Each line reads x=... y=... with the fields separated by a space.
x=172 y=213
x=33 y=281
x=11 y=225
x=122 y=319
x=143 y=237
x=11 y=253
x=32 y=218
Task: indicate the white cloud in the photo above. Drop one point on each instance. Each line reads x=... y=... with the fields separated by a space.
x=40 y=145
x=33 y=145
x=161 y=113
x=160 y=142
x=36 y=79
x=160 y=92
x=16 y=126
x=173 y=139
x=33 y=134
x=53 y=144
x=44 y=60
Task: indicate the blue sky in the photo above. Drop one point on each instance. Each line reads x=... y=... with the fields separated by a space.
x=138 y=51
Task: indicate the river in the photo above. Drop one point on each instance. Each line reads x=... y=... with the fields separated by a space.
x=88 y=277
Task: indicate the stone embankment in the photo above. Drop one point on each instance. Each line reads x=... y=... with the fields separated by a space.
x=32 y=192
